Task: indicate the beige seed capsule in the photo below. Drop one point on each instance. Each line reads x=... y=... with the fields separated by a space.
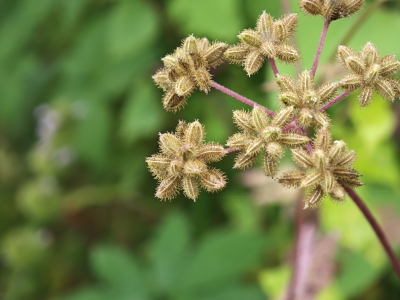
x=190 y=187
x=214 y=55
x=253 y=62
x=194 y=134
x=211 y=152
x=389 y=65
x=314 y=198
x=194 y=167
x=213 y=180
x=365 y=95
x=243 y=161
x=385 y=89
x=301 y=158
x=285 y=83
x=329 y=182
x=268 y=48
x=250 y=37
x=240 y=140
x=338 y=193
x=243 y=120
x=184 y=86
x=372 y=73
x=336 y=151
x=271 y=133
x=327 y=92
x=291 y=179
x=287 y=53
x=347 y=159
x=270 y=165
x=351 y=82
x=168 y=188
x=255 y=147
x=312 y=7
x=344 y=52
x=173 y=102
x=323 y=140
x=264 y=23
x=279 y=31
x=294 y=139
x=236 y=54
x=356 y=64
x=370 y=54
x=283 y=116
x=161 y=79
x=169 y=144
x=203 y=79
x=274 y=149
x=189 y=45
x=289 y=99
x=320 y=161
x=306 y=81
x=290 y=21
x=260 y=118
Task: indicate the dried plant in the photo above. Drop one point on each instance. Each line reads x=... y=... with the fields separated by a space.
x=325 y=167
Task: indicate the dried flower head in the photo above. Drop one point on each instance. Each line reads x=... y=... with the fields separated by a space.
x=267 y=40
x=370 y=72
x=324 y=171
x=259 y=133
x=331 y=9
x=306 y=99
x=187 y=69
x=182 y=163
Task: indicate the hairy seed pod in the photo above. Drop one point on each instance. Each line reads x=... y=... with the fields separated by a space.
x=202 y=44
x=203 y=79
x=175 y=167
x=189 y=45
x=253 y=62
x=365 y=95
x=274 y=149
x=306 y=81
x=351 y=182
x=250 y=37
x=312 y=7
x=351 y=82
x=264 y=23
x=211 y=152
x=260 y=118
x=349 y=7
x=305 y=117
x=214 y=55
x=301 y=158
x=184 y=86
x=389 y=65
x=329 y=182
x=338 y=193
x=347 y=159
x=243 y=161
x=336 y=151
x=291 y=179
x=372 y=74
x=370 y=54
x=243 y=120
x=271 y=133
x=190 y=187
x=314 y=197
x=294 y=139
x=168 y=188
x=161 y=79
x=213 y=180
x=330 y=10
x=327 y=92
x=321 y=118
x=236 y=54
x=344 y=52
x=356 y=64
x=169 y=144
x=180 y=129
x=320 y=161
x=310 y=97
x=240 y=140
x=173 y=102
x=290 y=21
x=158 y=165
x=385 y=89
x=287 y=53
x=322 y=140
x=283 y=116
x=268 y=48
x=289 y=99
x=255 y=147
x=285 y=83
x=345 y=173
x=279 y=31
x=194 y=167
x=270 y=165
x=194 y=134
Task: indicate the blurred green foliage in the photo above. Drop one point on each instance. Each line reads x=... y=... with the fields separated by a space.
x=78 y=115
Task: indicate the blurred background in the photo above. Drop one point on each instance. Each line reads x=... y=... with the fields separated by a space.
x=79 y=113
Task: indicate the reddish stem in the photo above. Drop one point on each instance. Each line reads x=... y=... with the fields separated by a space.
x=240 y=97
x=273 y=66
x=320 y=45
x=230 y=150
x=330 y=103
x=375 y=226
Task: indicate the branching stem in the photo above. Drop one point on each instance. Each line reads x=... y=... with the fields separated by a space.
x=330 y=103
x=375 y=226
x=320 y=45
x=273 y=66
x=240 y=97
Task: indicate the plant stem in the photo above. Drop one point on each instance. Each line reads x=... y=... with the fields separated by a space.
x=330 y=103
x=230 y=150
x=320 y=45
x=375 y=226
x=240 y=97
x=273 y=66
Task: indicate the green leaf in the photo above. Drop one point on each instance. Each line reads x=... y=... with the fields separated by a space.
x=234 y=291
x=142 y=113
x=118 y=268
x=132 y=27
x=169 y=250
x=220 y=19
x=221 y=256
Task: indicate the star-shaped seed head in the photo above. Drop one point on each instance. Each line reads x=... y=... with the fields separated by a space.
x=187 y=69
x=268 y=40
x=304 y=97
x=182 y=163
x=258 y=132
x=324 y=171
x=370 y=72
x=331 y=9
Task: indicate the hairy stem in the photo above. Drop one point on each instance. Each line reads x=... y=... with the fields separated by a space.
x=240 y=97
x=273 y=66
x=330 y=103
x=320 y=45
x=375 y=226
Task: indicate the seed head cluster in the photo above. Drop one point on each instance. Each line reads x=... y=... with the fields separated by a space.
x=187 y=69
x=369 y=71
x=307 y=100
x=267 y=40
x=258 y=132
x=324 y=171
x=182 y=163
x=331 y=9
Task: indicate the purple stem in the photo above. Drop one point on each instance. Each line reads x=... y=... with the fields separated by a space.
x=320 y=45
x=330 y=103
x=375 y=226
x=273 y=66
x=240 y=97
x=230 y=150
